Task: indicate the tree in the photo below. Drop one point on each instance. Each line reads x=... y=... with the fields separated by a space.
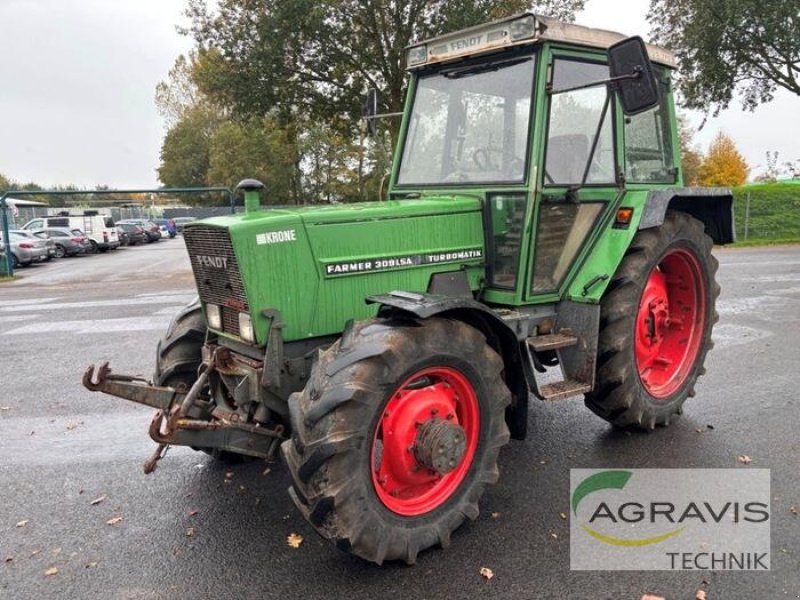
x=691 y=157
x=318 y=57
x=185 y=150
x=724 y=165
x=252 y=149
x=749 y=47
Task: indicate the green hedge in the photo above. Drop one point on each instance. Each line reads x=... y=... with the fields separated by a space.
x=774 y=211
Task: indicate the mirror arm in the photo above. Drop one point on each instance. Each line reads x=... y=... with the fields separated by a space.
x=635 y=75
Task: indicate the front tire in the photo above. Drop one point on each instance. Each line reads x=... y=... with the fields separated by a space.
x=396 y=435
x=656 y=320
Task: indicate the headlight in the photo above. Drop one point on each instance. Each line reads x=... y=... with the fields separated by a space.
x=246 y=328
x=417 y=55
x=523 y=28
x=214 y=316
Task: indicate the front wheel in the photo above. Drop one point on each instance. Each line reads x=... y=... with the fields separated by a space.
x=655 y=325
x=396 y=434
x=61 y=252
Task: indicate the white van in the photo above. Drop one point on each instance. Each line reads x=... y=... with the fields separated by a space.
x=100 y=229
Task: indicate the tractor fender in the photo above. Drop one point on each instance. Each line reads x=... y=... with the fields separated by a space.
x=498 y=334
x=712 y=206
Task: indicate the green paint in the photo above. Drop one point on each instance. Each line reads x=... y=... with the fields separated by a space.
x=384 y=246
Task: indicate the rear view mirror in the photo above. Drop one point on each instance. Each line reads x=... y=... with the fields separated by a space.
x=371 y=110
x=636 y=83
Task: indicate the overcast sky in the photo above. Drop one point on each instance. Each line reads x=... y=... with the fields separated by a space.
x=77 y=79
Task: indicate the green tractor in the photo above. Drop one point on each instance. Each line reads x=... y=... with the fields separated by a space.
x=537 y=240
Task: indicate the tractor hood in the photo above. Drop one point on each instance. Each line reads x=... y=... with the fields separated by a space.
x=314 y=266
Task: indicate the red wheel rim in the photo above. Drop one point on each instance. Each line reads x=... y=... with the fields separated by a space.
x=438 y=398
x=670 y=323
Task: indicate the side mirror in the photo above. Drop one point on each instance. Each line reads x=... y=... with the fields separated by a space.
x=371 y=110
x=630 y=66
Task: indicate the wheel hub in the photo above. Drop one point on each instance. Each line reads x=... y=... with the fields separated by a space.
x=670 y=322
x=425 y=441
x=440 y=445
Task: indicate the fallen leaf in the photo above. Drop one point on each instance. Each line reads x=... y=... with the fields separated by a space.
x=190 y=532
x=700 y=595
x=495 y=515
x=651 y=597
x=56 y=551
x=5 y=408
x=9 y=558
x=294 y=540
x=113 y=520
x=229 y=475
x=699 y=429
x=71 y=426
x=793 y=510
x=745 y=460
x=267 y=471
x=35 y=552
x=193 y=512
x=97 y=501
x=23 y=523
x=709 y=427
x=563 y=516
x=554 y=536
x=486 y=572
x=90 y=565
x=51 y=571
x=241 y=488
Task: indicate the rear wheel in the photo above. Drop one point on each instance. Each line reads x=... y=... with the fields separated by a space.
x=93 y=247
x=655 y=325
x=61 y=252
x=396 y=434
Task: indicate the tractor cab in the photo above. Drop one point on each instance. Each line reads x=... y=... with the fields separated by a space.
x=529 y=115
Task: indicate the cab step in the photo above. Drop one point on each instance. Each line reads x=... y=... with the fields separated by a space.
x=563 y=389
x=552 y=341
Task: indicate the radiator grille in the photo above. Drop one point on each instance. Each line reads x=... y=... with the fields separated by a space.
x=216 y=272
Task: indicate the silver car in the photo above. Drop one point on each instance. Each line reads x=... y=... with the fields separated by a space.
x=26 y=248
x=67 y=242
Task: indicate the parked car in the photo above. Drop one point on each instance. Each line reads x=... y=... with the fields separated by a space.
x=136 y=235
x=181 y=221
x=152 y=230
x=49 y=244
x=67 y=242
x=100 y=229
x=167 y=226
x=24 y=249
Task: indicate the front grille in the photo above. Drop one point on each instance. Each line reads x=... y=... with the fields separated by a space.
x=216 y=272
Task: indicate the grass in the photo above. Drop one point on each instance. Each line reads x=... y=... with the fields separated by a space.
x=774 y=214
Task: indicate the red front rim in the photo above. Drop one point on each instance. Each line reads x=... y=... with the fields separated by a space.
x=670 y=323
x=436 y=395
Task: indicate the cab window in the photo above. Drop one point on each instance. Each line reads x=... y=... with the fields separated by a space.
x=580 y=136
x=648 y=141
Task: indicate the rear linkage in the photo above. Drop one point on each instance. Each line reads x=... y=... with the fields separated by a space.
x=183 y=418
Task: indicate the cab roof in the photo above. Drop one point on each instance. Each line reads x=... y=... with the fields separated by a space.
x=519 y=30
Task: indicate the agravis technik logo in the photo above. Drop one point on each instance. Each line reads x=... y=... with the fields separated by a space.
x=653 y=519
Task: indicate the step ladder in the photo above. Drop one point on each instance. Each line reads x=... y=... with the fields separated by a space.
x=567 y=387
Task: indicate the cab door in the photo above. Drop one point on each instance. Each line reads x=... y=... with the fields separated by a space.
x=579 y=171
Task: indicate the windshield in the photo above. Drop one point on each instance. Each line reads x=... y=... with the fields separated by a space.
x=469 y=124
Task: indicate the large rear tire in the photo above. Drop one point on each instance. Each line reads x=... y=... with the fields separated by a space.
x=655 y=325
x=396 y=435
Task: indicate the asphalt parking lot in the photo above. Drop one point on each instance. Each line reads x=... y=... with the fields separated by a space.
x=199 y=529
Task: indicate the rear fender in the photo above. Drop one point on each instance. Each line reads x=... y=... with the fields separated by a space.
x=712 y=206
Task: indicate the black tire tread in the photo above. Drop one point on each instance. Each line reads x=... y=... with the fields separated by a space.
x=331 y=432
x=617 y=397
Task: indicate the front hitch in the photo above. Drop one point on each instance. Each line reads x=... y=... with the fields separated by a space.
x=174 y=423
